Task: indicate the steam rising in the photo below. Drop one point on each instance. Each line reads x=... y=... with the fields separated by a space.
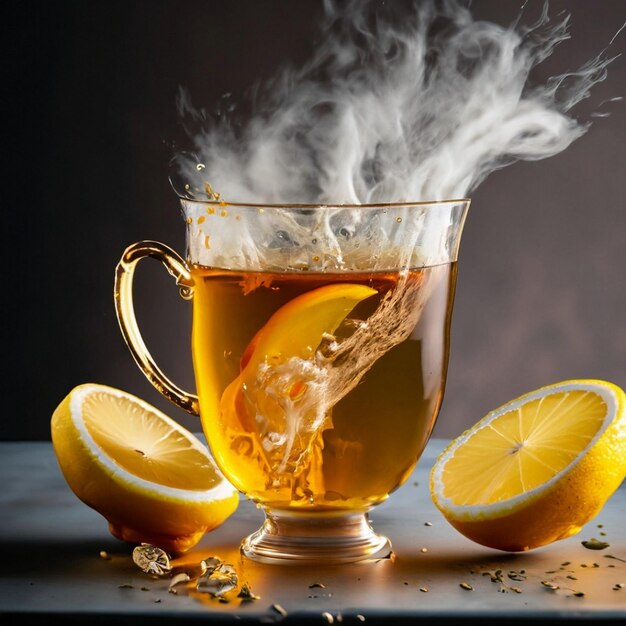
x=386 y=110
x=382 y=112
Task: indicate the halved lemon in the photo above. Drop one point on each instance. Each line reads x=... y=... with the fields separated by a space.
x=536 y=469
x=153 y=480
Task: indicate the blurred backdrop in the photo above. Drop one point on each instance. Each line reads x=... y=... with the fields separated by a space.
x=92 y=123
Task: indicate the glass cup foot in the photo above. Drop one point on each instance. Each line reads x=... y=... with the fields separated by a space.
x=320 y=537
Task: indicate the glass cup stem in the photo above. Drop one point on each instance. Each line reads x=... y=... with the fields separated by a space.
x=325 y=537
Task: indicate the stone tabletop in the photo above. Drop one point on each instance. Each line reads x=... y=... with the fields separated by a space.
x=53 y=568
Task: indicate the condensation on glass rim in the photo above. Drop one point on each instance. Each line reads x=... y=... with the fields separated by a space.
x=323 y=238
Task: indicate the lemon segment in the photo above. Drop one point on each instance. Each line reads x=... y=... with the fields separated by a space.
x=536 y=469
x=297 y=328
x=153 y=481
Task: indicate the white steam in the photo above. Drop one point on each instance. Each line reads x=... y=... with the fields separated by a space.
x=422 y=110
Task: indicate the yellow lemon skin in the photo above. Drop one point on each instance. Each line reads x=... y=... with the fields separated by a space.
x=172 y=519
x=558 y=509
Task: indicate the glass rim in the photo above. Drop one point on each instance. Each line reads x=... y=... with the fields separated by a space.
x=310 y=206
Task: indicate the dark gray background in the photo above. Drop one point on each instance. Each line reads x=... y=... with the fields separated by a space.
x=90 y=89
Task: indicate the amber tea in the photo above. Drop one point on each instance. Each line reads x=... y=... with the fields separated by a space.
x=360 y=442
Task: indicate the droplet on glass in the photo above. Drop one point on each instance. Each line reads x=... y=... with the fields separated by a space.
x=151 y=560
x=211 y=193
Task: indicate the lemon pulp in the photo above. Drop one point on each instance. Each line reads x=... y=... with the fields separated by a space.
x=523 y=448
x=144 y=445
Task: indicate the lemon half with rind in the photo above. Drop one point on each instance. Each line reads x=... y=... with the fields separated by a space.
x=153 y=480
x=536 y=469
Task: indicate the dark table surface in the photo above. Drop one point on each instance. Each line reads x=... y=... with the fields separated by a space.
x=52 y=568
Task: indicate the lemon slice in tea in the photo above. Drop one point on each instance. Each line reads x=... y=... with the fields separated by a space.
x=536 y=469
x=153 y=481
x=295 y=330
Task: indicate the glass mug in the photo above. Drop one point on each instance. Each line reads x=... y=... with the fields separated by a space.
x=320 y=341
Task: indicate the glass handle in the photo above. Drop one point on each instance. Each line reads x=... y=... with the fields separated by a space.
x=125 y=311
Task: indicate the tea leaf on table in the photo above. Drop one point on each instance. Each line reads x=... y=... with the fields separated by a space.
x=595 y=544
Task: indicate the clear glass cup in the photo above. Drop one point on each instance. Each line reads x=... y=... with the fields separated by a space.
x=320 y=345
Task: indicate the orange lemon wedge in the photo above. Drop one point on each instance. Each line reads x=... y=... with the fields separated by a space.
x=298 y=327
x=294 y=330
